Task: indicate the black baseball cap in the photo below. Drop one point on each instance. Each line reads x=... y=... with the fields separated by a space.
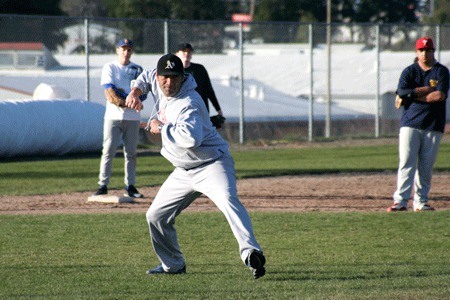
x=125 y=43
x=185 y=46
x=170 y=64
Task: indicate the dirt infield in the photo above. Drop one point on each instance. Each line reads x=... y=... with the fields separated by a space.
x=338 y=193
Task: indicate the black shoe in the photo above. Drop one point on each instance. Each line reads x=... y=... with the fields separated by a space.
x=160 y=270
x=255 y=261
x=132 y=192
x=102 y=190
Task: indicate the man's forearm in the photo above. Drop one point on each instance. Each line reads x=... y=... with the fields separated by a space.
x=432 y=97
x=423 y=91
x=136 y=92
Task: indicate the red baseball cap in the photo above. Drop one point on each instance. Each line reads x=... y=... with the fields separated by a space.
x=424 y=43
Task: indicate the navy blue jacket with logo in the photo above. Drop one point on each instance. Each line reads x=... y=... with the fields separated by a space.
x=421 y=115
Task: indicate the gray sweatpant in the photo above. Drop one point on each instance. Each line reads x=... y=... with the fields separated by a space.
x=217 y=181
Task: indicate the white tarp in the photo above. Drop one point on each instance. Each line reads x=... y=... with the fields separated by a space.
x=50 y=127
x=50 y=92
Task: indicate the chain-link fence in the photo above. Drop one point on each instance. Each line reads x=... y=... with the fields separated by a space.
x=274 y=80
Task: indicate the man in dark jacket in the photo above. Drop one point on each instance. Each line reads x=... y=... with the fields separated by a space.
x=422 y=92
x=204 y=86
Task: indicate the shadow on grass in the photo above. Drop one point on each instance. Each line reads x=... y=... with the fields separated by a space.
x=84 y=155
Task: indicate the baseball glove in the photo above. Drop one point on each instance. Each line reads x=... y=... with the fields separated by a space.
x=218 y=121
x=112 y=97
x=399 y=102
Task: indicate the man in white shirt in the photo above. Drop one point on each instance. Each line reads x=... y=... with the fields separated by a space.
x=121 y=123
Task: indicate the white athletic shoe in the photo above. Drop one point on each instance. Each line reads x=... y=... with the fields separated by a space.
x=396 y=207
x=423 y=207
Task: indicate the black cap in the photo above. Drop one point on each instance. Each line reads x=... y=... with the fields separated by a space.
x=185 y=46
x=125 y=43
x=170 y=64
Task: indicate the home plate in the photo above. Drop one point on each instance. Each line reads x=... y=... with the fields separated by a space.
x=110 y=199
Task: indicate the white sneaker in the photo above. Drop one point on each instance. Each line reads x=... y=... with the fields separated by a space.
x=423 y=207
x=396 y=207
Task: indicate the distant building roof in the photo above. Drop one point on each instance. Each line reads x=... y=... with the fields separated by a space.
x=26 y=56
x=21 y=46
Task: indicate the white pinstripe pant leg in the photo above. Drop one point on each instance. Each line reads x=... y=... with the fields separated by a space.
x=111 y=139
x=130 y=138
x=427 y=157
x=417 y=153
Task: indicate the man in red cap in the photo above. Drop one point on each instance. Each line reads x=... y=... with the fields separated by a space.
x=422 y=91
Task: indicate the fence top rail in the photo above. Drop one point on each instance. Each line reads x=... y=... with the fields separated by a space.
x=364 y=24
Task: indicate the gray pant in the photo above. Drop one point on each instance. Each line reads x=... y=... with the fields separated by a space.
x=418 y=151
x=115 y=132
x=217 y=181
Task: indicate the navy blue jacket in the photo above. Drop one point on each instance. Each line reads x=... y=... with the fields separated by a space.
x=421 y=115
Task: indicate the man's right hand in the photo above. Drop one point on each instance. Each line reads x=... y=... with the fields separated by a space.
x=399 y=102
x=133 y=100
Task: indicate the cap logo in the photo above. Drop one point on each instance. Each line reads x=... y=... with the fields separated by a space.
x=169 y=65
x=424 y=42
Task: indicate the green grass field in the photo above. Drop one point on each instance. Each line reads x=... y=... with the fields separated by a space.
x=309 y=256
x=312 y=255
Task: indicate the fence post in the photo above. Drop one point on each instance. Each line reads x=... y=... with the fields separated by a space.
x=87 y=50
x=438 y=42
x=328 y=107
x=311 y=84
x=377 y=64
x=241 y=86
x=166 y=36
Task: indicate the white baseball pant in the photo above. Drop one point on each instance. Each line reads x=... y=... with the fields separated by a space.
x=418 y=151
x=114 y=132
